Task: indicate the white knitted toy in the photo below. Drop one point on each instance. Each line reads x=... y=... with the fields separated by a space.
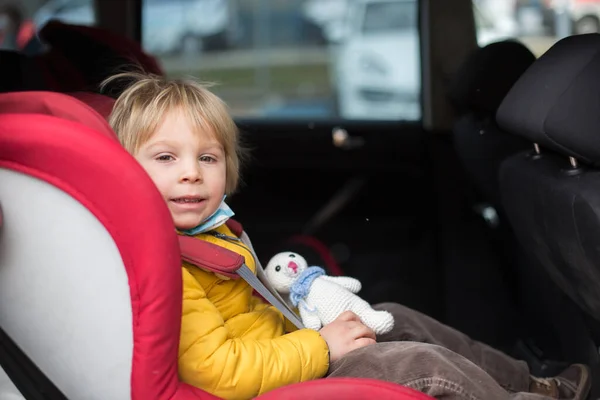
x=321 y=298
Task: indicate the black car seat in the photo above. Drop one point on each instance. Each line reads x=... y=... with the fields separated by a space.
x=19 y=72
x=552 y=194
x=477 y=91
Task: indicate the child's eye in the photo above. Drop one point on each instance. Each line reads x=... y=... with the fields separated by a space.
x=164 y=157
x=207 y=159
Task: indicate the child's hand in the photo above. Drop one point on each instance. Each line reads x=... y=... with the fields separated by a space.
x=346 y=333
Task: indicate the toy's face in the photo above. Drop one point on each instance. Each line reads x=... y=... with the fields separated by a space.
x=283 y=269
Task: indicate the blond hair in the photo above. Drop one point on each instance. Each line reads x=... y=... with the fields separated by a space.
x=142 y=106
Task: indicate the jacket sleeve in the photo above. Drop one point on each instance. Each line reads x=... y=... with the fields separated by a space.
x=240 y=368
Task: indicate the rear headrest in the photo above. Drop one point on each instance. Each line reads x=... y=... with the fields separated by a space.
x=97 y=53
x=58 y=105
x=556 y=103
x=488 y=74
x=60 y=74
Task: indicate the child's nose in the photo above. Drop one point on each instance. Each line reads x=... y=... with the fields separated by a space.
x=192 y=173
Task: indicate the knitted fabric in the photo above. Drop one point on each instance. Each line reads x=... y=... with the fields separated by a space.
x=301 y=286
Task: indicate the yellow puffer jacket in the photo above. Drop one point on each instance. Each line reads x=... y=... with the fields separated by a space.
x=233 y=345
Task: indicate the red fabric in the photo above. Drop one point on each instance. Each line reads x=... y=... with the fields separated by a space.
x=26 y=32
x=102 y=104
x=95 y=170
x=56 y=104
x=235 y=227
x=345 y=389
x=103 y=177
x=210 y=256
x=187 y=392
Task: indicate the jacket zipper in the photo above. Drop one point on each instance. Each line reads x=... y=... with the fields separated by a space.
x=224 y=236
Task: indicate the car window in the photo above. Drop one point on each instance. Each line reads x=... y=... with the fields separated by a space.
x=19 y=21
x=390 y=16
x=538 y=24
x=72 y=4
x=294 y=59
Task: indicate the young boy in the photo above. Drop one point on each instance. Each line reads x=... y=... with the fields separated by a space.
x=233 y=344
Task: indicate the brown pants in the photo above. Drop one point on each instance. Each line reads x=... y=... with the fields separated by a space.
x=433 y=358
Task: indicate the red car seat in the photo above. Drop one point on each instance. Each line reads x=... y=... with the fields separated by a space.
x=90 y=277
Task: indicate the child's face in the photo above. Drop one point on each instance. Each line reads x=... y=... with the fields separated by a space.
x=188 y=167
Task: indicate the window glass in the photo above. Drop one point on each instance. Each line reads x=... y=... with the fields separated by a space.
x=390 y=17
x=19 y=21
x=536 y=23
x=294 y=59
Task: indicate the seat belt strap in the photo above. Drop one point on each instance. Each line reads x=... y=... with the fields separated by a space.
x=262 y=280
x=229 y=264
x=247 y=275
x=24 y=374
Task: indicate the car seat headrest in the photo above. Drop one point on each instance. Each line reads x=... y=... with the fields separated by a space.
x=488 y=74
x=97 y=53
x=556 y=103
x=58 y=105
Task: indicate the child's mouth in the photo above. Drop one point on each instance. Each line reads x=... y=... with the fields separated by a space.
x=187 y=200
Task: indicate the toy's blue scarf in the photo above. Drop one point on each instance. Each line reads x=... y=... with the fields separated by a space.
x=301 y=287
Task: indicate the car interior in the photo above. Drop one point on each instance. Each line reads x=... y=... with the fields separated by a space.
x=480 y=212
